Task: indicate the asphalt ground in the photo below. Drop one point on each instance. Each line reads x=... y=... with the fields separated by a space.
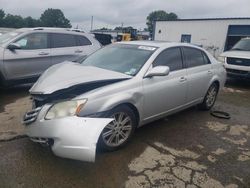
x=188 y=149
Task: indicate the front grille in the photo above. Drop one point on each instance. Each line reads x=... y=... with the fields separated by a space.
x=238 y=61
x=237 y=71
x=31 y=116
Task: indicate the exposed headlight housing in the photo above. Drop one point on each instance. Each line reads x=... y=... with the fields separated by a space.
x=222 y=59
x=65 y=109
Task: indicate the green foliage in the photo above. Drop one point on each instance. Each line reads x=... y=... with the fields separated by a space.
x=159 y=15
x=2 y=14
x=49 y=18
x=54 y=18
x=13 y=21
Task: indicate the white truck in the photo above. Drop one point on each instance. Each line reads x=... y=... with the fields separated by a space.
x=237 y=60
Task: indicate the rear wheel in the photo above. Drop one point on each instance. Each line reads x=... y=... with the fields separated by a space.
x=210 y=97
x=118 y=132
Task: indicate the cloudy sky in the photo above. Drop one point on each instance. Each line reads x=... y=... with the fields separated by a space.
x=111 y=13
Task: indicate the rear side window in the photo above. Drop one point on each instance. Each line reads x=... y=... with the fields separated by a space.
x=60 y=40
x=206 y=59
x=82 y=40
x=33 y=41
x=195 y=57
x=171 y=58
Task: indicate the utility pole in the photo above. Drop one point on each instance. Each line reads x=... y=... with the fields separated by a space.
x=91 y=23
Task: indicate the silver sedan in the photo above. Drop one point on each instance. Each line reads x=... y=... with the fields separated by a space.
x=103 y=99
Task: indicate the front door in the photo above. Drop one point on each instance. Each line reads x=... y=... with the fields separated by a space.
x=31 y=60
x=165 y=93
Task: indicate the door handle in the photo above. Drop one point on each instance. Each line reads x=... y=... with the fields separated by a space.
x=209 y=72
x=183 y=79
x=43 y=53
x=78 y=51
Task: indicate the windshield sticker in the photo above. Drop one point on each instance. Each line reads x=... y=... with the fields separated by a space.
x=146 y=48
x=131 y=71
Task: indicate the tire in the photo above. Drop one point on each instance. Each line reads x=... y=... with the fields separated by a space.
x=117 y=134
x=210 y=97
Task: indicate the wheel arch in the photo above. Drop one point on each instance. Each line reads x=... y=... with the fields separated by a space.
x=134 y=109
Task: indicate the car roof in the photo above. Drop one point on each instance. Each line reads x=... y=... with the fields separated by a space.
x=51 y=29
x=159 y=44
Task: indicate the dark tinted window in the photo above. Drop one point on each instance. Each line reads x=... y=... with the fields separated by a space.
x=193 y=57
x=206 y=60
x=63 y=40
x=82 y=40
x=170 y=57
x=33 y=41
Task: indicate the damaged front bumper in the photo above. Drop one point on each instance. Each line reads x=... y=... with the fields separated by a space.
x=70 y=137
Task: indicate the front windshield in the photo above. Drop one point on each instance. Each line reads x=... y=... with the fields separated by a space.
x=243 y=45
x=8 y=36
x=123 y=58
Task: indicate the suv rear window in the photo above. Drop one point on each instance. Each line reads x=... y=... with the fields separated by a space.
x=82 y=40
x=60 y=40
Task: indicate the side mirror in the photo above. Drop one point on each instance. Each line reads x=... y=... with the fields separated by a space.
x=158 y=71
x=13 y=46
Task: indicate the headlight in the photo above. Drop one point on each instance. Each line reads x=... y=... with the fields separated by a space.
x=66 y=108
x=222 y=59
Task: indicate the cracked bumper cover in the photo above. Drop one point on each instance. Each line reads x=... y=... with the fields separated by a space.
x=74 y=137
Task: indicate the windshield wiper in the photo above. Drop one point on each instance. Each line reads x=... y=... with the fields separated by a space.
x=239 y=49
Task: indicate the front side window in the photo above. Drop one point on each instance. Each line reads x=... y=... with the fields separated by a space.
x=8 y=36
x=123 y=58
x=194 y=57
x=171 y=58
x=33 y=41
x=61 y=40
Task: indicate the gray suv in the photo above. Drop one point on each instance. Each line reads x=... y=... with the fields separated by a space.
x=26 y=53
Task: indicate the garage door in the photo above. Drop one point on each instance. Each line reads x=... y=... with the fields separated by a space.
x=235 y=33
x=239 y=30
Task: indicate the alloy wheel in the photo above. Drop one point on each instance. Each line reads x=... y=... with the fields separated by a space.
x=117 y=131
x=211 y=96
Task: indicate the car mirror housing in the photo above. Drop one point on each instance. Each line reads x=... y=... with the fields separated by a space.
x=13 y=46
x=158 y=71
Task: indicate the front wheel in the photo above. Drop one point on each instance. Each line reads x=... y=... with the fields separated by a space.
x=210 y=97
x=118 y=132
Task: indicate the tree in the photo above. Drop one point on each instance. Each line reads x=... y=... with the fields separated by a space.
x=54 y=18
x=31 y=22
x=2 y=14
x=159 y=15
x=13 y=21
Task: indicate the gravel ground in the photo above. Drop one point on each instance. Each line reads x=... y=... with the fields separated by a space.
x=188 y=149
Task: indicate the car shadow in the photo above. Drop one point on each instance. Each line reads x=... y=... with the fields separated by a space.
x=238 y=83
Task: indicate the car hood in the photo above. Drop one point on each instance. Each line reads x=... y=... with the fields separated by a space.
x=68 y=74
x=236 y=53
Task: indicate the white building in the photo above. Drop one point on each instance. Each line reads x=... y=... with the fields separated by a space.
x=216 y=35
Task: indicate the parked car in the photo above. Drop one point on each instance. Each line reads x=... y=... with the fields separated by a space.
x=115 y=90
x=26 y=53
x=237 y=60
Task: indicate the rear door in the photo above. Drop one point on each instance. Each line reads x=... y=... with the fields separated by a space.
x=165 y=93
x=29 y=61
x=199 y=73
x=68 y=47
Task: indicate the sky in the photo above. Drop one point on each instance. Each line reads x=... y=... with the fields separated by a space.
x=112 y=13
